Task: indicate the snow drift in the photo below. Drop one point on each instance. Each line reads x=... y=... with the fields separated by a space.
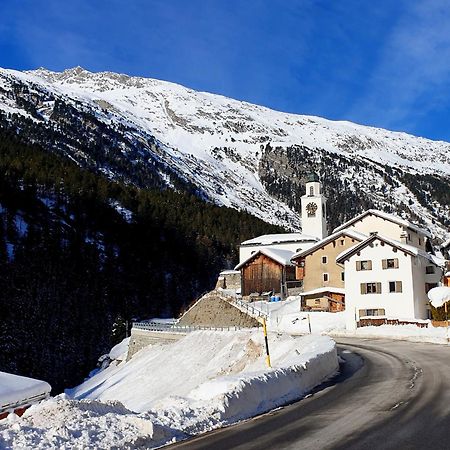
x=168 y=392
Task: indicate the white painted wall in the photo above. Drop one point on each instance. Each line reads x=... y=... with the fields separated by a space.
x=411 y=303
x=384 y=227
x=317 y=225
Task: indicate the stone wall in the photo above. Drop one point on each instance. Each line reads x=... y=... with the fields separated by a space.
x=142 y=338
x=213 y=310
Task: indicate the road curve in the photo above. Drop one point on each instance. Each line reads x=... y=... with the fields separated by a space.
x=389 y=395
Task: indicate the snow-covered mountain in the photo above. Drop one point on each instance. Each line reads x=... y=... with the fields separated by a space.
x=156 y=133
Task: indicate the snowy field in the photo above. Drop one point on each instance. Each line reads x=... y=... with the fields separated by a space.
x=170 y=392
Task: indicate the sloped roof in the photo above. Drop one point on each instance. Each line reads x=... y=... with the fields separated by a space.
x=282 y=257
x=269 y=239
x=386 y=216
x=413 y=251
x=321 y=290
x=347 y=232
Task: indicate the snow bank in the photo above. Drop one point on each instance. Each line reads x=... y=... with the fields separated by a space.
x=17 y=391
x=60 y=423
x=167 y=392
x=439 y=296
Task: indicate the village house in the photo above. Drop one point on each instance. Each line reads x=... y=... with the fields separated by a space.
x=388 y=278
x=391 y=226
x=322 y=278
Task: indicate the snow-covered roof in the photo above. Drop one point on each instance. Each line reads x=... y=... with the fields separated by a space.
x=321 y=290
x=17 y=391
x=282 y=257
x=229 y=272
x=269 y=239
x=346 y=232
x=446 y=244
x=386 y=216
x=413 y=251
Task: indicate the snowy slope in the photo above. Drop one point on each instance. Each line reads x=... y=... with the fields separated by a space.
x=168 y=392
x=217 y=143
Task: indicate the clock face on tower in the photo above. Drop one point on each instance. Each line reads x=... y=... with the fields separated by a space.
x=311 y=209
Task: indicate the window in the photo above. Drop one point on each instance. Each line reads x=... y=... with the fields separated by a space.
x=363 y=265
x=372 y=312
x=390 y=263
x=342 y=276
x=429 y=286
x=324 y=259
x=395 y=286
x=311 y=191
x=429 y=269
x=370 y=288
x=409 y=236
x=420 y=241
x=317 y=301
x=342 y=242
x=325 y=277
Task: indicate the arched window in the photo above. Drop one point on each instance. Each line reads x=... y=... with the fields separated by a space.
x=311 y=190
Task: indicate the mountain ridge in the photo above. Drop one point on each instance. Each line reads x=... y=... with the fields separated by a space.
x=227 y=149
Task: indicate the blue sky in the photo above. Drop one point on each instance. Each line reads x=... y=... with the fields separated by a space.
x=384 y=63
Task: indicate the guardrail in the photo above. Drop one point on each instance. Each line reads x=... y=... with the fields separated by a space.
x=174 y=328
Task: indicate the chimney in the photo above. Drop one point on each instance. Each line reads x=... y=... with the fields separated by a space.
x=404 y=237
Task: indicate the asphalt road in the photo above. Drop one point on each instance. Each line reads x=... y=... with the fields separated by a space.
x=389 y=395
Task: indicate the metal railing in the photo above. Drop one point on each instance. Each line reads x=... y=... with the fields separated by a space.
x=247 y=308
x=174 y=328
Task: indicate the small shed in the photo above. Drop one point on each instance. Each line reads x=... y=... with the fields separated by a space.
x=266 y=270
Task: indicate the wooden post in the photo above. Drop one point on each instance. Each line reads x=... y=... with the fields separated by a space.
x=309 y=323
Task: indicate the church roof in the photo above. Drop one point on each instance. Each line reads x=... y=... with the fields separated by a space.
x=284 y=238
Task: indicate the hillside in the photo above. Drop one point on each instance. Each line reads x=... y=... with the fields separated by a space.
x=153 y=133
x=79 y=254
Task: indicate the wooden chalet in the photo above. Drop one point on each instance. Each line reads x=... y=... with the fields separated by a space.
x=266 y=270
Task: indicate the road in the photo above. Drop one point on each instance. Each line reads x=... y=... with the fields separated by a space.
x=389 y=395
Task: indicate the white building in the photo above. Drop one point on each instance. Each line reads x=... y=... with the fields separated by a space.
x=314 y=209
x=384 y=277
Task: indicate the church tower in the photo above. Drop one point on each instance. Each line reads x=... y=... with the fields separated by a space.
x=314 y=208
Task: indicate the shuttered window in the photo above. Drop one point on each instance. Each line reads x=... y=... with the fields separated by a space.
x=370 y=288
x=364 y=265
x=390 y=263
x=395 y=286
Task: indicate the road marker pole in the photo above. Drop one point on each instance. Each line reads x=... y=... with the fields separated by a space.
x=262 y=320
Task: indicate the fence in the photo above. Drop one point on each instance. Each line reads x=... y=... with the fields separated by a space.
x=383 y=321
x=174 y=328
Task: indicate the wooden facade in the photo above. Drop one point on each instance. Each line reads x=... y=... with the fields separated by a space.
x=263 y=274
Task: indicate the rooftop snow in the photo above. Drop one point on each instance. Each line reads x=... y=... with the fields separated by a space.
x=270 y=239
x=282 y=257
x=17 y=390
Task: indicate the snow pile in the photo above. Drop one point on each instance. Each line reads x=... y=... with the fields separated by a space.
x=167 y=392
x=439 y=296
x=119 y=351
x=63 y=423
